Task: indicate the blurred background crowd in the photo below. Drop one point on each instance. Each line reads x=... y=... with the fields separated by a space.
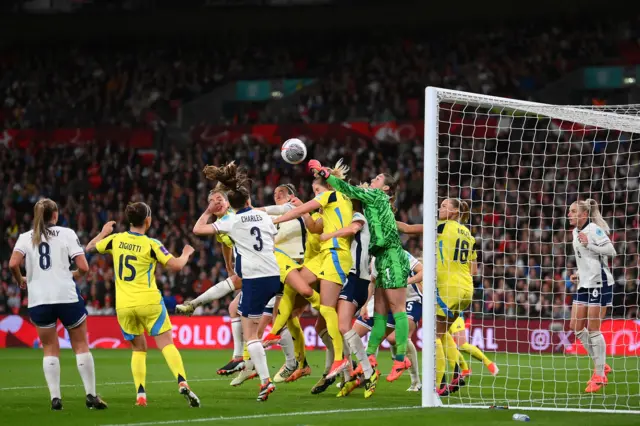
x=519 y=196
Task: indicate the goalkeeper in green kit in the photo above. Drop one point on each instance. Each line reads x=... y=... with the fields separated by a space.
x=390 y=261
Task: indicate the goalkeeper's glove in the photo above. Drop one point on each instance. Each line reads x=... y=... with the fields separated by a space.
x=314 y=165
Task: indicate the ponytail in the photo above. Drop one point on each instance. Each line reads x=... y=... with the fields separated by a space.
x=42 y=215
x=595 y=216
x=463 y=209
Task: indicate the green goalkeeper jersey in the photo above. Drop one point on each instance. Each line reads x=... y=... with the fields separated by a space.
x=377 y=210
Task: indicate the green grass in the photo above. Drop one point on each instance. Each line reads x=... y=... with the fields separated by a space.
x=528 y=380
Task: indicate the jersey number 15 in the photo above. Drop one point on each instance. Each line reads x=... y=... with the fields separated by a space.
x=461 y=253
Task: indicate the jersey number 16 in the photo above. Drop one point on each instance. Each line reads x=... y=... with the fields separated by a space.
x=461 y=253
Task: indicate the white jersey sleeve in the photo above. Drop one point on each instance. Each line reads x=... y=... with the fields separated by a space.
x=592 y=263
x=253 y=233
x=360 y=249
x=49 y=278
x=374 y=272
x=413 y=291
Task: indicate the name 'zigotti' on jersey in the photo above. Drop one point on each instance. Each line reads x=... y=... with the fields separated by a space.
x=131 y=247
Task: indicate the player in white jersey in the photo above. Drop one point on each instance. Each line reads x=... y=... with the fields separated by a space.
x=290 y=248
x=253 y=234
x=219 y=209
x=49 y=251
x=592 y=249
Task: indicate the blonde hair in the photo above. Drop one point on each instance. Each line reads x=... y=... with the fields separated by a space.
x=593 y=213
x=339 y=171
x=42 y=215
x=463 y=209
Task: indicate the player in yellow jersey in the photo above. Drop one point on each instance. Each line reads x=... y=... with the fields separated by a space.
x=456 y=264
x=334 y=262
x=139 y=304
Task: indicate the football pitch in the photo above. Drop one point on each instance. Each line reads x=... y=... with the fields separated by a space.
x=534 y=380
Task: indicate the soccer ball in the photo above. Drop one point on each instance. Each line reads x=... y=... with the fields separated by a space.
x=293 y=151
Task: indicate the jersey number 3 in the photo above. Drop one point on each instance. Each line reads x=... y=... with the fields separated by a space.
x=125 y=261
x=255 y=231
x=461 y=253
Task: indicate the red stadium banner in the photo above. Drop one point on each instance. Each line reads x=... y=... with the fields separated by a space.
x=214 y=332
x=23 y=138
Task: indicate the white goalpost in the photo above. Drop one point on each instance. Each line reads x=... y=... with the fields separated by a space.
x=520 y=165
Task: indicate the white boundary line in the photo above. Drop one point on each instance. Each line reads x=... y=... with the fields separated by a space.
x=215 y=379
x=269 y=415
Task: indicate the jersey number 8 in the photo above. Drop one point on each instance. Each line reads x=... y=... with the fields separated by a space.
x=44 y=250
x=461 y=253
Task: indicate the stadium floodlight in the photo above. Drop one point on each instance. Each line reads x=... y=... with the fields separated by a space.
x=521 y=165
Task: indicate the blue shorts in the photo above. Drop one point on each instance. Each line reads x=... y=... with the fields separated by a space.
x=414 y=313
x=368 y=324
x=268 y=310
x=256 y=293
x=602 y=296
x=70 y=315
x=355 y=290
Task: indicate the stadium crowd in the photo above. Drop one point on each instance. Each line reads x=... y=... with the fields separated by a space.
x=370 y=78
x=519 y=220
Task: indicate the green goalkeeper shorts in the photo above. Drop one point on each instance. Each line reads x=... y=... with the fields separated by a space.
x=392 y=267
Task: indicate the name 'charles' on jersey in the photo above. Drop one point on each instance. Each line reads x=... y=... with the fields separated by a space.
x=48 y=276
x=593 y=267
x=253 y=234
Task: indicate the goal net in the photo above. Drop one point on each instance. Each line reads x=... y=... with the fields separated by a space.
x=520 y=165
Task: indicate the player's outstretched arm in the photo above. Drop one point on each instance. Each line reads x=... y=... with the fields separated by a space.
x=405 y=228
x=347 y=231
x=307 y=207
x=176 y=264
x=107 y=229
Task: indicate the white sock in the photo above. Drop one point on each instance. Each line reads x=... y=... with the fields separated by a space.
x=286 y=342
x=599 y=349
x=259 y=358
x=51 y=367
x=392 y=350
x=236 y=332
x=583 y=336
x=357 y=349
x=216 y=292
x=87 y=372
x=248 y=364
x=326 y=339
x=412 y=353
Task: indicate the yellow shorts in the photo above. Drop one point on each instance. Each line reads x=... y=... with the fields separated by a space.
x=150 y=318
x=314 y=264
x=458 y=325
x=451 y=300
x=286 y=264
x=331 y=265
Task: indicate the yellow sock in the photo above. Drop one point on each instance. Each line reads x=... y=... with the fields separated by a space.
x=245 y=352
x=451 y=351
x=298 y=339
x=441 y=363
x=284 y=309
x=314 y=300
x=331 y=318
x=462 y=362
x=174 y=360
x=139 y=370
x=476 y=353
